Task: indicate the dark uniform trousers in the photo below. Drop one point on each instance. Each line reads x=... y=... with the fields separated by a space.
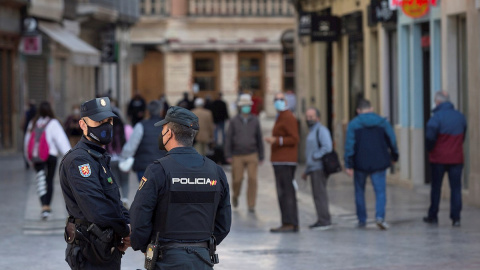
x=114 y=264
x=184 y=259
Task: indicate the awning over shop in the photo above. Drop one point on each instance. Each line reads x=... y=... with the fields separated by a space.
x=83 y=54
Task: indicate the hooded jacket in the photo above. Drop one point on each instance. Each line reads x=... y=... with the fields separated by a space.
x=370 y=145
x=445 y=133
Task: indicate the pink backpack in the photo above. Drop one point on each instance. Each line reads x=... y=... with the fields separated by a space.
x=37 y=149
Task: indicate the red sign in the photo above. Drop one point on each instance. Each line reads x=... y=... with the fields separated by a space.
x=414 y=8
x=31 y=45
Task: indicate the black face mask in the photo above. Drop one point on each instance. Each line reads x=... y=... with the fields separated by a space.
x=311 y=123
x=161 y=145
x=102 y=134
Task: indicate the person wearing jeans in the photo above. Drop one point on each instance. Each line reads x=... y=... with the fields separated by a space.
x=445 y=133
x=370 y=148
x=379 y=186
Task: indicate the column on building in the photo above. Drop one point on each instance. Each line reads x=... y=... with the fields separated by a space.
x=419 y=78
x=461 y=40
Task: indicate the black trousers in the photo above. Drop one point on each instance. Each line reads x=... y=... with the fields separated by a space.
x=49 y=168
x=76 y=261
x=185 y=259
x=287 y=198
x=320 y=197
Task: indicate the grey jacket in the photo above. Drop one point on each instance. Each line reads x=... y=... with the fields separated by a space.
x=313 y=152
x=244 y=136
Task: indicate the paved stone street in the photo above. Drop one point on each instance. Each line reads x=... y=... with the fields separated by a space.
x=27 y=243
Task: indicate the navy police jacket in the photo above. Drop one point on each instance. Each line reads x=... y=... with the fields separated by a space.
x=90 y=190
x=184 y=197
x=371 y=144
x=445 y=133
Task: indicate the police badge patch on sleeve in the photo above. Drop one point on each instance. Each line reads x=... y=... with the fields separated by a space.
x=85 y=170
x=142 y=182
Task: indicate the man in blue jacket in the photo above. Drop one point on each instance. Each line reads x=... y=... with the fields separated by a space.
x=445 y=133
x=370 y=148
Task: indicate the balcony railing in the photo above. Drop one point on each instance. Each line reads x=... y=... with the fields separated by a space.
x=155 y=7
x=247 y=8
x=127 y=10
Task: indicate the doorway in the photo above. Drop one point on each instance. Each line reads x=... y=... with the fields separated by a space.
x=425 y=44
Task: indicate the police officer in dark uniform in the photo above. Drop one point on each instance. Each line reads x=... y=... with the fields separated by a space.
x=183 y=201
x=97 y=231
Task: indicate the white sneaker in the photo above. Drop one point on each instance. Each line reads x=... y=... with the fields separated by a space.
x=46 y=214
x=382 y=224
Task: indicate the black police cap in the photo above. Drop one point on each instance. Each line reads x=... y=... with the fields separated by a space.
x=97 y=109
x=180 y=116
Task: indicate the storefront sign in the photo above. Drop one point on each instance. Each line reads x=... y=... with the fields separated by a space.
x=414 y=8
x=380 y=12
x=352 y=26
x=304 y=24
x=31 y=45
x=325 y=28
x=108 y=53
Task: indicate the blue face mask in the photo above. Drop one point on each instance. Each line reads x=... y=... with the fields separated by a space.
x=246 y=109
x=280 y=105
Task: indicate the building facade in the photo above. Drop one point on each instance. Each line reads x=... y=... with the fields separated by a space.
x=397 y=59
x=61 y=51
x=10 y=101
x=210 y=47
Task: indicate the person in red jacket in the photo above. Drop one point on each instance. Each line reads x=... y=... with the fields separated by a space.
x=284 y=142
x=445 y=133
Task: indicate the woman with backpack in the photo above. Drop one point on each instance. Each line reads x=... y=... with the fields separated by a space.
x=44 y=140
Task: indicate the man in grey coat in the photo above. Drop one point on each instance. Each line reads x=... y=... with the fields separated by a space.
x=318 y=143
x=244 y=149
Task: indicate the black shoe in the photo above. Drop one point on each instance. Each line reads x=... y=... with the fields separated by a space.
x=430 y=220
x=251 y=210
x=456 y=223
x=361 y=225
x=234 y=202
x=284 y=229
x=320 y=227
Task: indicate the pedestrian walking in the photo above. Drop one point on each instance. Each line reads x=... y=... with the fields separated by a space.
x=205 y=135
x=220 y=117
x=445 y=134
x=98 y=225
x=142 y=145
x=284 y=154
x=136 y=109
x=318 y=143
x=115 y=150
x=183 y=201
x=72 y=126
x=43 y=142
x=370 y=148
x=27 y=117
x=244 y=149
x=185 y=102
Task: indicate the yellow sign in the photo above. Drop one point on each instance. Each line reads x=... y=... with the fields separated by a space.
x=415 y=8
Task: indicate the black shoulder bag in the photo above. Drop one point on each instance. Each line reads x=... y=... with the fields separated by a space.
x=330 y=161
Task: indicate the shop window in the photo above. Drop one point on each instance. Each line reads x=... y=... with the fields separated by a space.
x=251 y=73
x=206 y=71
x=288 y=72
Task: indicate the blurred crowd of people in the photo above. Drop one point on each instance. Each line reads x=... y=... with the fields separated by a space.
x=370 y=149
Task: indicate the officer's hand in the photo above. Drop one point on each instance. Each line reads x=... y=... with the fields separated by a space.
x=304 y=176
x=229 y=160
x=122 y=247
x=349 y=172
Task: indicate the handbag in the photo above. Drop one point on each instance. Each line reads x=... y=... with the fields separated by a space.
x=330 y=161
